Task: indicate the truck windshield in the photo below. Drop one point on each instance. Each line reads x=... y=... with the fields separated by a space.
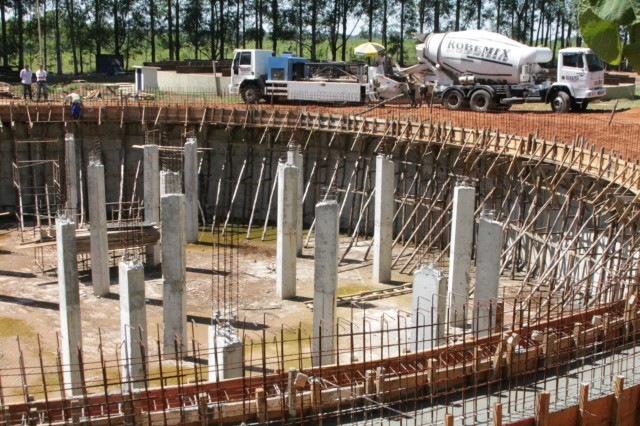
x=594 y=63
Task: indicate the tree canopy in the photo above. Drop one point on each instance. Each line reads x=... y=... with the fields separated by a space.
x=74 y=31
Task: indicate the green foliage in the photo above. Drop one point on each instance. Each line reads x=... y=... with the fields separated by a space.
x=602 y=36
x=622 y=12
x=600 y=22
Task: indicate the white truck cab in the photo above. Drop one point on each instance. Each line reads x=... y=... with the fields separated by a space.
x=248 y=72
x=582 y=73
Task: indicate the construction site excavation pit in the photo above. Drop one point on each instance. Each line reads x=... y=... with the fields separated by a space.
x=292 y=267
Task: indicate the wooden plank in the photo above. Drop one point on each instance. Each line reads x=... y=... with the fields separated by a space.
x=567 y=417
x=598 y=412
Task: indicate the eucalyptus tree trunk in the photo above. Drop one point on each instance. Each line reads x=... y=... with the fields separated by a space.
x=170 y=30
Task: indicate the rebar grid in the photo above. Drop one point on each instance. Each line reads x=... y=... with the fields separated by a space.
x=377 y=377
x=620 y=136
x=225 y=269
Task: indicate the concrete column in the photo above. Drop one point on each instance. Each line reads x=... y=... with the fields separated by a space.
x=297 y=159
x=152 y=198
x=226 y=356
x=174 y=266
x=133 y=323
x=191 y=189
x=384 y=208
x=428 y=307
x=325 y=283
x=460 y=252
x=485 y=295
x=70 y=324
x=71 y=175
x=170 y=183
x=98 y=229
x=286 y=239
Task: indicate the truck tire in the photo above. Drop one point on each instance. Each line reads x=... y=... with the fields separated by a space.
x=453 y=100
x=250 y=94
x=481 y=101
x=561 y=103
x=579 y=107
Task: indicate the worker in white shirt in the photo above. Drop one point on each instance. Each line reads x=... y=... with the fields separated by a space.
x=76 y=104
x=26 y=77
x=41 y=81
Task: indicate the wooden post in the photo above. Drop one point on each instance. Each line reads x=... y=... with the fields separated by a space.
x=583 y=412
x=630 y=314
x=380 y=383
x=578 y=337
x=448 y=420
x=431 y=374
x=497 y=414
x=370 y=382
x=203 y=399
x=316 y=395
x=542 y=408
x=550 y=348
x=498 y=361
x=291 y=389
x=619 y=406
x=261 y=405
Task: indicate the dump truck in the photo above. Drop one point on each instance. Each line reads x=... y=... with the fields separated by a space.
x=258 y=74
x=485 y=71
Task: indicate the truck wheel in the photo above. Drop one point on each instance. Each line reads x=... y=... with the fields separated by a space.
x=453 y=100
x=579 y=107
x=561 y=103
x=250 y=94
x=481 y=101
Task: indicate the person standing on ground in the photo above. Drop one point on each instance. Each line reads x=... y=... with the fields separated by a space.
x=26 y=76
x=41 y=80
x=411 y=85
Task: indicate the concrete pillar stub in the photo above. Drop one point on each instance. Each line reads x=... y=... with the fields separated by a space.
x=428 y=308
x=152 y=198
x=70 y=324
x=485 y=295
x=174 y=304
x=98 y=229
x=170 y=183
x=133 y=323
x=325 y=284
x=71 y=177
x=462 y=222
x=226 y=353
x=384 y=208
x=286 y=233
x=191 y=189
x=297 y=159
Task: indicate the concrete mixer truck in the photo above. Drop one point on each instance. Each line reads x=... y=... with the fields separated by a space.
x=488 y=71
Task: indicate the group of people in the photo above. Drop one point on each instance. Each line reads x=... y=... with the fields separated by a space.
x=26 y=78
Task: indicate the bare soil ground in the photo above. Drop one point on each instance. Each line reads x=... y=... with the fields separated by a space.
x=29 y=310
